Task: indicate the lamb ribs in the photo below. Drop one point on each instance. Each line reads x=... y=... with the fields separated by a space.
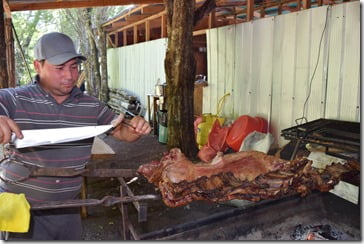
x=248 y=175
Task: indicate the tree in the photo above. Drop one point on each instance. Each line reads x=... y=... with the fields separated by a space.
x=79 y=24
x=27 y=28
x=3 y=70
x=101 y=42
x=180 y=70
x=86 y=24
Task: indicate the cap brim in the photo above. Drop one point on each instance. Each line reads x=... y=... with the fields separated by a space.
x=64 y=57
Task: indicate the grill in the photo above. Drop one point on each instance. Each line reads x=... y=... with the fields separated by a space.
x=340 y=138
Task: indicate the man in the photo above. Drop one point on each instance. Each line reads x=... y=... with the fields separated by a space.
x=54 y=101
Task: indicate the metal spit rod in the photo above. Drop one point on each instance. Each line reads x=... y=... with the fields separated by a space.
x=106 y=201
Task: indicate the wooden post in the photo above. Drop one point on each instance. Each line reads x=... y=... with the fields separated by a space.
x=250 y=10
x=306 y=4
x=3 y=61
x=116 y=43
x=125 y=37
x=163 y=26
x=299 y=5
x=147 y=30
x=124 y=215
x=262 y=10
x=84 y=196
x=135 y=34
x=9 y=42
x=212 y=19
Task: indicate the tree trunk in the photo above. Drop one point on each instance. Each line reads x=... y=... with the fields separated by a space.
x=93 y=59
x=3 y=63
x=180 y=74
x=10 y=54
x=101 y=43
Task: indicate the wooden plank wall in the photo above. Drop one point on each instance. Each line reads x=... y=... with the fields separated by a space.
x=271 y=66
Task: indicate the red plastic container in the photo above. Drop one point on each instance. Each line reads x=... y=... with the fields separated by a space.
x=263 y=124
x=242 y=127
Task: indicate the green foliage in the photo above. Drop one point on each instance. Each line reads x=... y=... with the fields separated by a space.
x=30 y=25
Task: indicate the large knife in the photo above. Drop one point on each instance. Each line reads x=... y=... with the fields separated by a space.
x=60 y=135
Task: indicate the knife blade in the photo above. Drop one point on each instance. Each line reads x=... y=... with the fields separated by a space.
x=41 y=137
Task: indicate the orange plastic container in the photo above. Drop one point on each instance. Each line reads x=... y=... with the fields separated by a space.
x=242 y=127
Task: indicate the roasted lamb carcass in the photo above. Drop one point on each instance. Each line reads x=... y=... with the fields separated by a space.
x=248 y=175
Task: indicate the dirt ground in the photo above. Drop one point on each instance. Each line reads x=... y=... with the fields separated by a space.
x=104 y=223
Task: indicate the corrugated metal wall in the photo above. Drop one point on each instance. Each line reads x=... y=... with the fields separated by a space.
x=269 y=66
x=272 y=66
x=136 y=68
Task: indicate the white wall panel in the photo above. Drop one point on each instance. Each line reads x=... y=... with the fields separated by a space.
x=136 y=68
x=269 y=66
x=213 y=69
x=344 y=63
x=311 y=55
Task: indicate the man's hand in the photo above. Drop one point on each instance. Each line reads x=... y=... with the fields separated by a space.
x=7 y=127
x=130 y=130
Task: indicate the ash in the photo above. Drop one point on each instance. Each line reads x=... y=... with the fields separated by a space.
x=317 y=232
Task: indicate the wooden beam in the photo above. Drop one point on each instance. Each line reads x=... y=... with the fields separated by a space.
x=140 y=21
x=130 y=11
x=199 y=32
x=152 y=9
x=119 y=24
x=203 y=23
x=135 y=18
x=110 y=41
x=289 y=8
x=230 y=4
x=22 y=5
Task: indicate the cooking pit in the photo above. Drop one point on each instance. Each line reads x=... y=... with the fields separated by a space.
x=291 y=218
x=281 y=219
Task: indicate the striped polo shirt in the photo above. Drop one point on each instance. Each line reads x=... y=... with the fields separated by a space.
x=33 y=108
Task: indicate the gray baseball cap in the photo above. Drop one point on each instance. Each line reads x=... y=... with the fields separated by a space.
x=57 y=48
